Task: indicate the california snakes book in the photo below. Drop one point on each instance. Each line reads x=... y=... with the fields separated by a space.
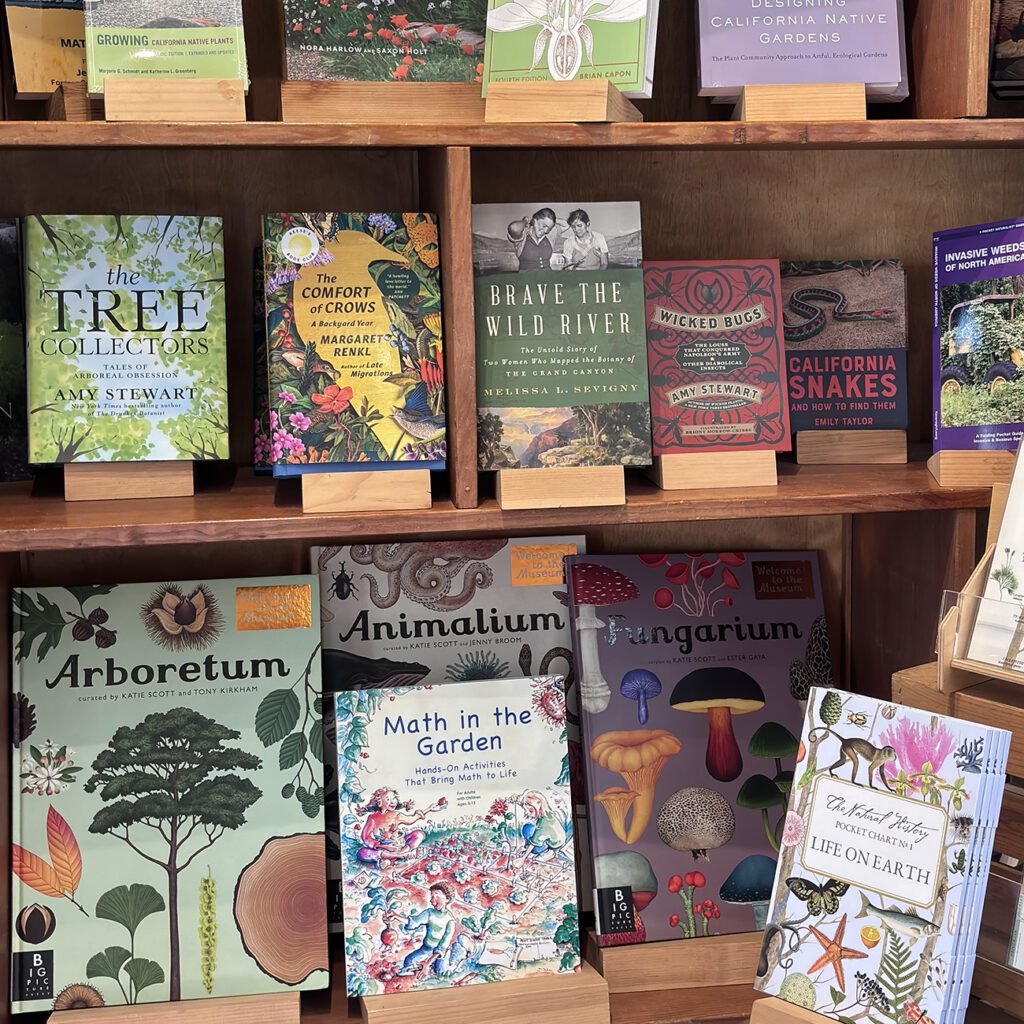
x=167 y=793
x=457 y=835
x=13 y=411
x=886 y=849
x=692 y=669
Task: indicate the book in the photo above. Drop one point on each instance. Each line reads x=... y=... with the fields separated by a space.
x=1008 y=48
x=167 y=809
x=692 y=669
x=147 y=38
x=716 y=355
x=355 y=350
x=47 y=44
x=457 y=839
x=978 y=337
x=846 y=344
x=390 y=41
x=13 y=411
x=877 y=900
x=127 y=345
x=560 y=341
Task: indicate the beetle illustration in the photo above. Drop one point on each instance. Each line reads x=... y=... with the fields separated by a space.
x=857 y=718
x=343 y=586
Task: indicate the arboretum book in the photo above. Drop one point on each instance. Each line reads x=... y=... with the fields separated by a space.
x=560 y=341
x=127 y=347
x=167 y=793
x=876 y=907
x=457 y=837
x=47 y=44
x=715 y=351
x=157 y=38
x=13 y=433
x=355 y=352
x=978 y=337
x=692 y=672
x=846 y=344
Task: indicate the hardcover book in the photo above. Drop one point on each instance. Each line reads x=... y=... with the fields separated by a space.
x=457 y=839
x=886 y=851
x=716 y=355
x=127 y=347
x=692 y=669
x=978 y=337
x=156 y=38
x=390 y=41
x=846 y=344
x=13 y=413
x=356 y=363
x=47 y=44
x=1008 y=48
x=560 y=341
x=167 y=809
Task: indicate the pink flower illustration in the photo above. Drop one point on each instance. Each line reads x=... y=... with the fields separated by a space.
x=916 y=746
x=793 y=830
x=287 y=396
x=300 y=421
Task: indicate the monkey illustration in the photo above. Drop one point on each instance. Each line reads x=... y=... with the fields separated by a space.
x=855 y=747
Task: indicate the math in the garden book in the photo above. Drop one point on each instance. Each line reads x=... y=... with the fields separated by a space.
x=47 y=44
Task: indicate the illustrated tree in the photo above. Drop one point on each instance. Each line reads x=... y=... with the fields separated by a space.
x=171 y=796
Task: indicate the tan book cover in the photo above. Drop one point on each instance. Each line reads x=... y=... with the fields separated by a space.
x=47 y=44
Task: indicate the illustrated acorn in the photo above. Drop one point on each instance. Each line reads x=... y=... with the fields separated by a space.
x=35 y=924
x=82 y=630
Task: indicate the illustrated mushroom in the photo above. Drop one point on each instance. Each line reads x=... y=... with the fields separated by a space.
x=616 y=802
x=595 y=586
x=750 y=883
x=759 y=793
x=775 y=741
x=621 y=869
x=640 y=685
x=638 y=755
x=719 y=693
x=696 y=820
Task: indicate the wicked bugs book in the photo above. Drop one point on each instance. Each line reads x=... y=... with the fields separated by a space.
x=692 y=671
x=716 y=357
x=13 y=428
x=560 y=342
x=47 y=44
x=127 y=345
x=886 y=849
x=845 y=324
x=167 y=792
x=457 y=835
x=356 y=367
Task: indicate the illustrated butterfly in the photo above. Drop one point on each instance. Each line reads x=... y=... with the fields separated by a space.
x=819 y=898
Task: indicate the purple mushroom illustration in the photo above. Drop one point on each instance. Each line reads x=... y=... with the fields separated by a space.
x=640 y=685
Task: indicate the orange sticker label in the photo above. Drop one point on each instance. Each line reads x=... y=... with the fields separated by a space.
x=288 y=606
x=539 y=565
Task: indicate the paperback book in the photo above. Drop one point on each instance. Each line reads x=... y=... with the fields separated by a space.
x=127 y=346
x=716 y=354
x=1008 y=48
x=166 y=786
x=846 y=344
x=13 y=412
x=47 y=44
x=692 y=669
x=457 y=835
x=560 y=341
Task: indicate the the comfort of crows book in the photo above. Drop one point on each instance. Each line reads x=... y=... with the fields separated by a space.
x=560 y=339
x=167 y=793
x=715 y=351
x=13 y=433
x=846 y=344
x=457 y=835
x=356 y=367
x=692 y=669
x=47 y=44
x=127 y=350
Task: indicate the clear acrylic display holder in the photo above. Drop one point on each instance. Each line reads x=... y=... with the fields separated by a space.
x=999 y=967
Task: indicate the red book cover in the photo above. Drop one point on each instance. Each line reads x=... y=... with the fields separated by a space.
x=716 y=356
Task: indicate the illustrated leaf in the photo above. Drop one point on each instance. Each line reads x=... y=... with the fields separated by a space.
x=82 y=594
x=64 y=851
x=316 y=740
x=809 y=773
x=276 y=716
x=293 y=750
x=540 y=45
x=43 y=621
x=837 y=996
x=35 y=872
x=107 y=964
x=144 y=973
x=129 y=907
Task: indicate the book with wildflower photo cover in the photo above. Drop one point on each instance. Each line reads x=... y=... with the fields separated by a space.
x=355 y=357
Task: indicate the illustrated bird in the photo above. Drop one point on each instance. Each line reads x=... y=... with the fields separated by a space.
x=416 y=417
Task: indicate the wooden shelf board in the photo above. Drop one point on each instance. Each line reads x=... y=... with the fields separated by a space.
x=722 y=1004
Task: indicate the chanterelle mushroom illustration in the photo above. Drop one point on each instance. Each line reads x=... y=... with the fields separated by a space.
x=625 y=867
x=616 y=802
x=595 y=586
x=640 y=685
x=751 y=882
x=638 y=755
x=719 y=693
x=696 y=819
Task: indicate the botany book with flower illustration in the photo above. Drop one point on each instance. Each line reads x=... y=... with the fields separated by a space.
x=691 y=671
x=168 y=790
x=876 y=906
x=355 y=356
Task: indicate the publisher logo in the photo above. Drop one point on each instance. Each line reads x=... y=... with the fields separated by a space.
x=782 y=580
x=615 y=910
x=32 y=975
x=299 y=246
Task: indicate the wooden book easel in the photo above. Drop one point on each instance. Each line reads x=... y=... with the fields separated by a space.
x=279 y=1008
x=826 y=102
x=366 y=491
x=850 y=447
x=410 y=103
x=777 y=1011
x=151 y=99
x=561 y=487
x=695 y=470
x=105 y=481
x=971 y=469
x=591 y=100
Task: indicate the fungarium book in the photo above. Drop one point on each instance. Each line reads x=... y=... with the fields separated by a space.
x=167 y=790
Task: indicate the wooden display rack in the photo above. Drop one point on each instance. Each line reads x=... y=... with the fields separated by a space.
x=777 y=1011
x=590 y=100
x=103 y=481
x=835 y=101
x=971 y=469
x=413 y=103
x=561 y=487
x=366 y=491
x=277 y=1008
x=151 y=99
x=696 y=470
x=850 y=447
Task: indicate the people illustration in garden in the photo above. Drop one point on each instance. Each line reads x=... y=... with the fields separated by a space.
x=388 y=833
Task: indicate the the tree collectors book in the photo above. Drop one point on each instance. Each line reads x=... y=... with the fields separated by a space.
x=716 y=356
x=355 y=353
x=167 y=792
x=560 y=339
x=13 y=422
x=127 y=347
x=47 y=44
x=457 y=835
x=877 y=900
x=978 y=337
x=692 y=670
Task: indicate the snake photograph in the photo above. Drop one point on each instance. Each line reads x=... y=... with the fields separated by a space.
x=815 y=319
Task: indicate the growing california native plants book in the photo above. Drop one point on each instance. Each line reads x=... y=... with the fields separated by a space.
x=167 y=792
x=13 y=412
x=47 y=44
x=560 y=341
x=127 y=348
x=692 y=672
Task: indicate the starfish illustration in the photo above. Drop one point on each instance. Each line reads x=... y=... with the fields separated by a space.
x=835 y=952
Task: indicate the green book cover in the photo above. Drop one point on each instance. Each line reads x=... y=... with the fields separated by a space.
x=127 y=347
x=13 y=440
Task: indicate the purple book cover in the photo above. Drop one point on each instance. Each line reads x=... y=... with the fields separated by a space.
x=978 y=337
x=692 y=668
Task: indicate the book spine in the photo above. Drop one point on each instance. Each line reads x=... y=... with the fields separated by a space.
x=936 y=346
x=17 y=946
x=29 y=313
